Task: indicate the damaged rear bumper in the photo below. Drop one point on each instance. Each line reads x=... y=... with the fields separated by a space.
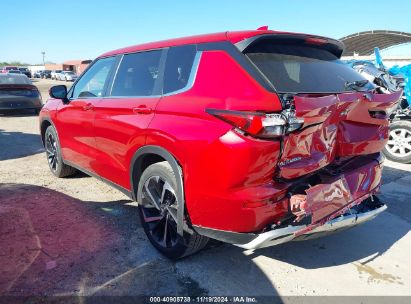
x=333 y=199
x=367 y=210
x=294 y=233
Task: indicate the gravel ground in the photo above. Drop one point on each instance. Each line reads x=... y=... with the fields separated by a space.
x=78 y=236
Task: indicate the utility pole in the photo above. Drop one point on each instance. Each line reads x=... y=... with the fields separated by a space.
x=43 y=53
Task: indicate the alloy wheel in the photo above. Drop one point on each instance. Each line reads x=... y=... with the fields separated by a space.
x=399 y=142
x=51 y=150
x=159 y=210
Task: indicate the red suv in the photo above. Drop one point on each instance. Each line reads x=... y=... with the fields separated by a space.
x=253 y=138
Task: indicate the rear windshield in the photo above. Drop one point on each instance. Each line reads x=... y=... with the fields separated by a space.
x=300 y=68
x=14 y=79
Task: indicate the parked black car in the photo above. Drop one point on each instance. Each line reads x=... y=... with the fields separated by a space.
x=46 y=74
x=18 y=93
x=25 y=71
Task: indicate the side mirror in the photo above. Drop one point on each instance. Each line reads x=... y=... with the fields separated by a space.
x=59 y=92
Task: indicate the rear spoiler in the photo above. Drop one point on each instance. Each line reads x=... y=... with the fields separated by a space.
x=334 y=46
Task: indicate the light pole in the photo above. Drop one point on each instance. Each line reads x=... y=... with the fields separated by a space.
x=43 y=53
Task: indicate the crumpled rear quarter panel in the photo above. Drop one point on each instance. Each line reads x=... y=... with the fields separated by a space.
x=339 y=125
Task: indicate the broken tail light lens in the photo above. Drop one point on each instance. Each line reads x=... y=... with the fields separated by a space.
x=257 y=124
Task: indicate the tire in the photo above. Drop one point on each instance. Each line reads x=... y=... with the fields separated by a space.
x=155 y=220
x=398 y=148
x=53 y=152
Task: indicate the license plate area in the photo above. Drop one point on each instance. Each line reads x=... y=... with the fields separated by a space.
x=329 y=198
x=325 y=199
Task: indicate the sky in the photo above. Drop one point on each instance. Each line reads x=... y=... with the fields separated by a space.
x=75 y=29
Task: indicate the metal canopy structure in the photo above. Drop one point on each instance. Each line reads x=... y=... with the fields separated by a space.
x=363 y=43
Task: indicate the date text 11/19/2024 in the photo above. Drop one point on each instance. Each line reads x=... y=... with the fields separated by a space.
x=203 y=299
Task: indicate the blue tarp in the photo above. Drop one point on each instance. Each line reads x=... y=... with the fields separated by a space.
x=406 y=72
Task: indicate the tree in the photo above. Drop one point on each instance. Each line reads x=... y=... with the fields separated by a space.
x=14 y=63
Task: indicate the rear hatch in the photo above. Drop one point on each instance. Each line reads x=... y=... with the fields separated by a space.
x=341 y=114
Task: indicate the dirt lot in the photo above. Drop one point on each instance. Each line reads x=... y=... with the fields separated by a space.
x=77 y=236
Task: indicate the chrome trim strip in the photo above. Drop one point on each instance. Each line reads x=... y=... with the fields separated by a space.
x=115 y=76
x=283 y=235
x=130 y=97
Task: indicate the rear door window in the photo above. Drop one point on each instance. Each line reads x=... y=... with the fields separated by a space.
x=138 y=75
x=178 y=67
x=301 y=68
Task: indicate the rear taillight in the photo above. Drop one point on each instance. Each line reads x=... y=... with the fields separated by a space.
x=259 y=124
x=315 y=41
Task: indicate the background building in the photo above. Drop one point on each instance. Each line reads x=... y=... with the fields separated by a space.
x=360 y=46
x=77 y=66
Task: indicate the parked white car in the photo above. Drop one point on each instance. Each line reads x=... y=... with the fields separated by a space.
x=67 y=76
x=54 y=74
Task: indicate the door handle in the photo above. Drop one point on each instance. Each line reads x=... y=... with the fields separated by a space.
x=88 y=107
x=143 y=109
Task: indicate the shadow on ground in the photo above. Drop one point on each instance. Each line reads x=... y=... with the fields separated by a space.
x=53 y=244
x=396 y=191
x=18 y=113
x=236 y=268
x=391 y=174
x=17 y=144
x=362 y=244
x=371 y=239
x=365 y=242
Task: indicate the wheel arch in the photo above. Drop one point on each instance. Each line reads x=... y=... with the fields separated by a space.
x=45 y=123
x=148 y=155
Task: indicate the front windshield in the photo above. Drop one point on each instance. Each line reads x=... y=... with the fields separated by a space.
x=300 y=68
